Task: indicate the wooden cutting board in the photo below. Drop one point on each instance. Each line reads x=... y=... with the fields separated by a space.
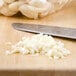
x=21 y=65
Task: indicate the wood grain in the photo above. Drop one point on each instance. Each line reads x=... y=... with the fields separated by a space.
x=21 y=65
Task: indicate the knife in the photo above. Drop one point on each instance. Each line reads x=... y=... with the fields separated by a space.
x=49 y=30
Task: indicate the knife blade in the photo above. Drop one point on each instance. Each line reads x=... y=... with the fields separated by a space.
x=49 y=30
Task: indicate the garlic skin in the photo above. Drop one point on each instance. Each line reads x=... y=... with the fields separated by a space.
x=29 y=11
x=15 y=5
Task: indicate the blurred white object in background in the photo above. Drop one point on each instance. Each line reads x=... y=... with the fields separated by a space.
x=59 y=4
x=31 y=8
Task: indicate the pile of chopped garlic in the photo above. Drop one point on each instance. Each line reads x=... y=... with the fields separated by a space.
x=40 y=44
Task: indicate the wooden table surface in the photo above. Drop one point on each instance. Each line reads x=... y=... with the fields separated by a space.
x=21 y=65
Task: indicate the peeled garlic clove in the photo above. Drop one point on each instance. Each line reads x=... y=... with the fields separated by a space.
x=1 y=3
x=9 y=1
x=15 y=5
x=38 y=3
x=48 y=9
x=29 y=11
x=5 y=11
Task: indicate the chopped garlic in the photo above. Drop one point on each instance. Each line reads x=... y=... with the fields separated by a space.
x=40 y=44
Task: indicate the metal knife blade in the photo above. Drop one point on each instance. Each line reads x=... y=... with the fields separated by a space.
x=50 y=30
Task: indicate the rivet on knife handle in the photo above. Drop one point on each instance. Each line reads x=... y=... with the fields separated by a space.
x=50 y=30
